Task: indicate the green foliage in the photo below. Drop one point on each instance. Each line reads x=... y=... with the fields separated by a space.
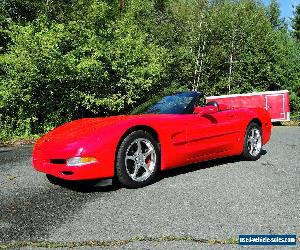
x=296 y=23
x=274 y=15
x=63 y=60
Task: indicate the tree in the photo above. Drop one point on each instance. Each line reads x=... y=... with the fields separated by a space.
x=296 y=23
x=66 y=59
x=160 y=5
x=274 y=15
x=4 y=33
x=94 y=64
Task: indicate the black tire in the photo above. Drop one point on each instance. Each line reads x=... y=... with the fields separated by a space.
x=134 y=167
x=252 y=142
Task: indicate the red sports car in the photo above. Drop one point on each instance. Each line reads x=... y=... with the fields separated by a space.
x=172 y=132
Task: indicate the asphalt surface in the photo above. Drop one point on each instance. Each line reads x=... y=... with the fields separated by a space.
x=215 y=200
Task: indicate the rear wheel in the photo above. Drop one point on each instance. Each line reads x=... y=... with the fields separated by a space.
x=253 y=142
x=138 y=160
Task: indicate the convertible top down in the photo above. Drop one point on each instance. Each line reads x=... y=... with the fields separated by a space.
x=172 y=132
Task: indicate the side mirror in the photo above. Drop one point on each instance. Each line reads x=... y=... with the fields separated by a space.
x=206 y=110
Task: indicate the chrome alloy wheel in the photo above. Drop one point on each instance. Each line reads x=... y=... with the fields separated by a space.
x=254 y=143
x=140 y=159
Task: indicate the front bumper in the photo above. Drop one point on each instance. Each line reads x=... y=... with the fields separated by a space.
x=44 y=153
x=90 y=171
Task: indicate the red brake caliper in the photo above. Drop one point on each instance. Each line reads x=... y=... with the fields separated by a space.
x=148 y=160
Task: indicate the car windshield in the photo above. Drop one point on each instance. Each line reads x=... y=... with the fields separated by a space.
x=180 y=103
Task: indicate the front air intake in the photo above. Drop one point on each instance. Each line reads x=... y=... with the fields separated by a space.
x=67 y=172
x=58 y=161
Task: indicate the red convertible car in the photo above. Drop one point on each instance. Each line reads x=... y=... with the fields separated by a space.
x=172 y=132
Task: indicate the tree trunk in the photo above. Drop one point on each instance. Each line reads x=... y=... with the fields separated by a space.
x=201 y=64
x=232 y=50
x=196 y=68
x=199 y=60
x=122 y=4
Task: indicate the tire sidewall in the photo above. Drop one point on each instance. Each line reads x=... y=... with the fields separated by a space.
x=121 y=172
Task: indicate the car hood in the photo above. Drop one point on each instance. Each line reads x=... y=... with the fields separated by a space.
x=82 y=128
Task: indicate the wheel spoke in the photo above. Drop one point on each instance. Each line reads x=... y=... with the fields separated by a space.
x=257 y=134
x=136 y=169
x=251 y=148
x=252 y=133
x=130 y=157
x=251 y=136
x=139 y=147
x=149 y=152
x=146 y=168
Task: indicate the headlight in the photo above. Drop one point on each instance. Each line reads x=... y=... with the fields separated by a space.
x=80 y=161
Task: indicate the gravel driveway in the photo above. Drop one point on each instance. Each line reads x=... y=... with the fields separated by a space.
x=187 y=208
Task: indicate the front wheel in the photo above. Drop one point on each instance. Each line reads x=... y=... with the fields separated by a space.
x=253 y=142
x=138 y=159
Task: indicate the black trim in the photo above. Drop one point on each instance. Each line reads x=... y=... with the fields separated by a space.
x=196 y=96
x=58 y=161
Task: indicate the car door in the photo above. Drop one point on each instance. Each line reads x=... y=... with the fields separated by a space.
x=211 y=134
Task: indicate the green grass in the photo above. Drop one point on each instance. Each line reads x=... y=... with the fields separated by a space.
x=112 y=243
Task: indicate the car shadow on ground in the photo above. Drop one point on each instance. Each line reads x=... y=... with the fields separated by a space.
x=93 y=185
x=202 y=165
x=87 y=186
